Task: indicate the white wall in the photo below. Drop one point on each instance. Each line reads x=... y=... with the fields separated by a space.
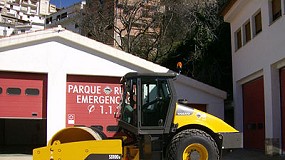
x=263 y=56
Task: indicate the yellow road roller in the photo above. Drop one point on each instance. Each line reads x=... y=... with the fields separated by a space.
x=152 y=125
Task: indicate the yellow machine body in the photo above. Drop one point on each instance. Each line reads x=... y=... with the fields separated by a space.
x=92 y=149
x=185 y=116
x=82 y=143
x=79 y=143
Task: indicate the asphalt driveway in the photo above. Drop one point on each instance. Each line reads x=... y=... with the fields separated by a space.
x=243 y=154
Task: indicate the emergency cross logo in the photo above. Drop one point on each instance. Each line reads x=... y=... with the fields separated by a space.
x=107 y=90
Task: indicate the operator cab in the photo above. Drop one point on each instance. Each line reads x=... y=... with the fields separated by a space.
x=148 y=103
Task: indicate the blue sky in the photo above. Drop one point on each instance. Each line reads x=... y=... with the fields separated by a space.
x=63 y=3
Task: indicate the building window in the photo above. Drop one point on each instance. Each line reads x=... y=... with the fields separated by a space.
x=63 y=15
x=257 y=23
x=247 y=32
x=32 y=92
x=49 y=20
x=275 y=9
x=57 y=17
x=13 y=91
x=238 y=39
x=4 y=32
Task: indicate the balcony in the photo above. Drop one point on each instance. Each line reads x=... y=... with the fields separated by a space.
x=31 y=4
x=24 y=9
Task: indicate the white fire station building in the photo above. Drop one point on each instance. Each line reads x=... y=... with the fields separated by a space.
x=257 y=40
x=55 y=78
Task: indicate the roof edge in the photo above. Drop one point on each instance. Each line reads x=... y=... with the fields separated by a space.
x=227 y=7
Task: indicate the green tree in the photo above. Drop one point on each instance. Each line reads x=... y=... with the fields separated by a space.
x=203 y=45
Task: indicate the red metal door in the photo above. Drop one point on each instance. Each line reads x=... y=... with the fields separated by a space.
x=254 y=114
x=93 y=101
x=22 y=95
x=282 y=87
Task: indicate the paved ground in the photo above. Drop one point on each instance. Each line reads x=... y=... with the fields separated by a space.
x=240 y=154
x=15 y=157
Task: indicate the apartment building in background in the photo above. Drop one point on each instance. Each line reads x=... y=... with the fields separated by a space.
x=21 y=16
x=143 y=21
x=67 y=17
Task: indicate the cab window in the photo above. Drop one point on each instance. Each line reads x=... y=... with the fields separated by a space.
x=129 y=108
x=155 y=102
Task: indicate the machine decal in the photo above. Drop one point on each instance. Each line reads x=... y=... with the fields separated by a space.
x=103 y=156
x=114 y=156
x=201 y=115
x=184 y=110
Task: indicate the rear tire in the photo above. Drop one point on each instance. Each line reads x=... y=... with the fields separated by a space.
x=192 y=144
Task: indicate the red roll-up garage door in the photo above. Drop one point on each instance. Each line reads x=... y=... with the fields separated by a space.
x=22 y=111
x=254 y=114
x=282 y=87
x=93 y=101
x=22 y=95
